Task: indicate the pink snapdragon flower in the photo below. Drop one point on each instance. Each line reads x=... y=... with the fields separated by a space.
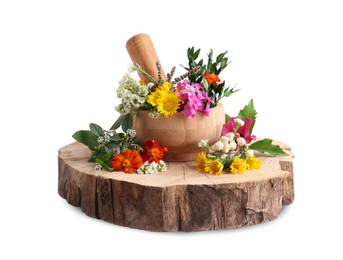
x=244 y=130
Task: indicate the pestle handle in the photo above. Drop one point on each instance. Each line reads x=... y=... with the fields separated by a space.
x=142 y=52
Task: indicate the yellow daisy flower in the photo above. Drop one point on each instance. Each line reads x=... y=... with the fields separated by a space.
x=201 y=161
x=252 y=163
x=168 y=104
x=153 y=98
x=214 y=167
x=165 y=87
x=160 y=91
x=238 y=166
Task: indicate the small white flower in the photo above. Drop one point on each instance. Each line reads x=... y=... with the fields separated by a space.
x=98 y=167
x=232 y=145
x=249 y=153
x=203 y=143
x=239 y=122
x=162 y=166
x=150 y=84
x=218 y=146
x=131 y=133
x=241 y=141
x=154 y=114
x=225 y=142
x=223 y=156
x=224 y=139
x=116 y=151
x=211 y=156
x=140 y=170
x=110 y=132
x=101 y=139
x=230 y=136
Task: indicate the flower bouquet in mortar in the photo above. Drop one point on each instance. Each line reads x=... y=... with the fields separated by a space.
x=175 y=119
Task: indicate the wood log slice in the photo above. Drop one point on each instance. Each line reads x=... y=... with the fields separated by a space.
x=180 y=199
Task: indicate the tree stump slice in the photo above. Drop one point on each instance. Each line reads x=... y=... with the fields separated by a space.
x=180 y=199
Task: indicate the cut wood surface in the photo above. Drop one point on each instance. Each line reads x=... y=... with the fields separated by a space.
x=181 y=199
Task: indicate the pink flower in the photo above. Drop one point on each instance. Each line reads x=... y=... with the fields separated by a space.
x=194 y=104
x=229 y=127
x=244 y=130
x=194 y=98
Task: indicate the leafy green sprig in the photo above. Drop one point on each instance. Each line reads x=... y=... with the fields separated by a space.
x=104 y=144
x=213 y=65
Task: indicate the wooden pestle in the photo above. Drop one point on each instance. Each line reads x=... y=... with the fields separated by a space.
x=142 y=52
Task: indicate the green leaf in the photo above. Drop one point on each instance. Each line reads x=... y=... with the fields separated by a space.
x=96 y=129
x=220 y=56
x=111 y=146
x=118 y=122
x=86 y=137
x=127 y=122
x=205 y=84
x=266 y=146
x=228 y=92
x=196 y=54
x=249 y=112
x=209 y=62
x=227 y=117
x=104 y=165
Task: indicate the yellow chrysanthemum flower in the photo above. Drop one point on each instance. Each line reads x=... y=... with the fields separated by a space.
x=201 y=161
x=168 y=104
x=238 y=166
x=252 y=163
x=214 y=167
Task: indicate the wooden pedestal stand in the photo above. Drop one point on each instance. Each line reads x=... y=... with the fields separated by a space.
x=181 y=199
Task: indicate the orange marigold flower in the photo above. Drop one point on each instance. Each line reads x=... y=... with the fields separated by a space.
x=152 y=151
x=212 y=78
x=128 y=161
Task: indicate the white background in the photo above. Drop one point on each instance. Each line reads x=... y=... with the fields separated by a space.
x=60 y=62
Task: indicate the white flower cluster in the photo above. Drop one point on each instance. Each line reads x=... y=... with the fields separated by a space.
x=153 y=167
x=131 y=133
x=239 y=122
x=132 y=94
x=203 y=144
x=105 y=139
x=228 y=144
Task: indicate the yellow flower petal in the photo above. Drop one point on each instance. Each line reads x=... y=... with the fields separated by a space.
x=168 y=104
x=214 y=167
x=252 y=163
x=238 y=166
x=201 y=161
